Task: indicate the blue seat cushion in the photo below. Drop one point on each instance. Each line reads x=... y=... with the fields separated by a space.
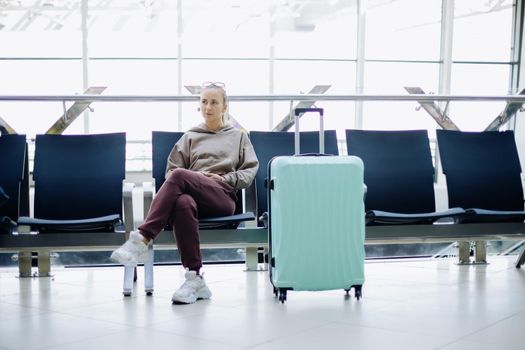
x=98 y=224
x=232 y=221
x=6 y=225
x=378 y=217
x=482 y=215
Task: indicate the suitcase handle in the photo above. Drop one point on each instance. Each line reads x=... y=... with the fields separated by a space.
x=313 y=155
x=300 y=111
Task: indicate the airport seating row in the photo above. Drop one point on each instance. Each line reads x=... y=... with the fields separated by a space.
x=82 y=203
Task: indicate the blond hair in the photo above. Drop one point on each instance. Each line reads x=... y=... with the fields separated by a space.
x=219 y=87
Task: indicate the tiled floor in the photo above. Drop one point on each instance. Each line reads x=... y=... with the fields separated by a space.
x=406 y=305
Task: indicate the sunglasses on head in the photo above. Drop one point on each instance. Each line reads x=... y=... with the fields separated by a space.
x=213 y=84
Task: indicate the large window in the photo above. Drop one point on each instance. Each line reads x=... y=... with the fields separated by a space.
x=165 y=47
x=481 y=59
x=403 y=30
x=160 y=47
x=392 y=78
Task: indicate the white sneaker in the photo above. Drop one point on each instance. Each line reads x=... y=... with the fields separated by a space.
x=134 y=251
x=193 y=289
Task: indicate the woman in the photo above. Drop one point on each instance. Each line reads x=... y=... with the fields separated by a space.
x=205 y=169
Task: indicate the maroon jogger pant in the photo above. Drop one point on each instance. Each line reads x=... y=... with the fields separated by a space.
x=185 y=197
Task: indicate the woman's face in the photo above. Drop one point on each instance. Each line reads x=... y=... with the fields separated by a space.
x=212 y=105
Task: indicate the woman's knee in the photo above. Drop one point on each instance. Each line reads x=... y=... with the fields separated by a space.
x=185 y=202
x=183 y=177
x=178 y=173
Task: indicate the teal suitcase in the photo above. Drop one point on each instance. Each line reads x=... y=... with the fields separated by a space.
x=316 y=223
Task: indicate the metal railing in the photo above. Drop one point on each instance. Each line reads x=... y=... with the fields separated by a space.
x=267 y=98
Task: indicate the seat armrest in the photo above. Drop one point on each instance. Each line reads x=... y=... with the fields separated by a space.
x=250 y=197
x=149 y=191
x=127 y=196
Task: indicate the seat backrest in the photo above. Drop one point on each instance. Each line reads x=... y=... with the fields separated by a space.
x=79 y=176
x=482 y=169
x=14 y=175
x=399 y=174
x=162 y=143
x=268 y=144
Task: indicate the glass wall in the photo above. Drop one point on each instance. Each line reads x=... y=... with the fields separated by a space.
x=164 y=47
x=160 y=47
x=481 y=59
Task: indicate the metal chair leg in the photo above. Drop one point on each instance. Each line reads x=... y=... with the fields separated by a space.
x=148 y=271
x=521 y=258
x=129 y=273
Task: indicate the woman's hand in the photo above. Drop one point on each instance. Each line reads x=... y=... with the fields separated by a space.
x=213 y=176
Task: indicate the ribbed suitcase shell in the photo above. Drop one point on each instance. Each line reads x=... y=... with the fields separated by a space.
x=316 y=220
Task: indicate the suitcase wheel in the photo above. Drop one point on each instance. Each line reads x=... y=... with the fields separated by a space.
x=275 y=291
x=282 y=295
x=358 y=294
x=357 y=291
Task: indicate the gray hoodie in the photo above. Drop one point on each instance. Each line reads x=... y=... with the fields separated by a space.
x=227 y=152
